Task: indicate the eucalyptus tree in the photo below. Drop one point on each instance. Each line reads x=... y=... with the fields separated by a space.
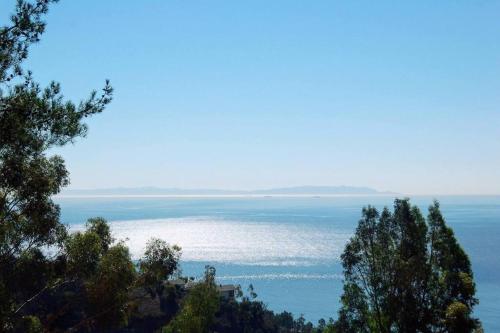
x=198 y=308
x=405 y=273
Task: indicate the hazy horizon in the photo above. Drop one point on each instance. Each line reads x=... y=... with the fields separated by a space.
x=394 y=96
x=256 y=191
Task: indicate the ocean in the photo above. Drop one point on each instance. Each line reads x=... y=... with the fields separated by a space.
x=288 y=248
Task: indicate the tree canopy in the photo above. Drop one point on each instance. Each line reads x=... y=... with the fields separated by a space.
x=51 y=279
x=405 y=273
x=33 y=119
x=199 y=307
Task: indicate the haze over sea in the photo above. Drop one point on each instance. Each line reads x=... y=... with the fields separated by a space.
x=287 y=247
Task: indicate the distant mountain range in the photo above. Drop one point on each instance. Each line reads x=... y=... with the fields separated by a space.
x=297 y=190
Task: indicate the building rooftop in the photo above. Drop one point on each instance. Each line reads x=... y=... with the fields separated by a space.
x=226 y=287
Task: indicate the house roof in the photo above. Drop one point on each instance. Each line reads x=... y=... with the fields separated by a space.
x=226 y=287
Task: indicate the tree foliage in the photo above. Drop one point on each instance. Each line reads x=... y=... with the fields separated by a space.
x=204 y=310
x=407 y=274
x=199 y=307
x=108 y=290
x=32 y=120
x=25 y=29
x=160 y=261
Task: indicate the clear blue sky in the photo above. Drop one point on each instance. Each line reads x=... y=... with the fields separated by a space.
x=395 y=95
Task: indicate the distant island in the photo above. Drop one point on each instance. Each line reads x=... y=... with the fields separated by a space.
x=283 y=191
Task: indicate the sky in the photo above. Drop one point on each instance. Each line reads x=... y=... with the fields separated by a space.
x=395 y=95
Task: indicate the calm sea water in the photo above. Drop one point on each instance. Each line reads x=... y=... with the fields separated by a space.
x=288 y=248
